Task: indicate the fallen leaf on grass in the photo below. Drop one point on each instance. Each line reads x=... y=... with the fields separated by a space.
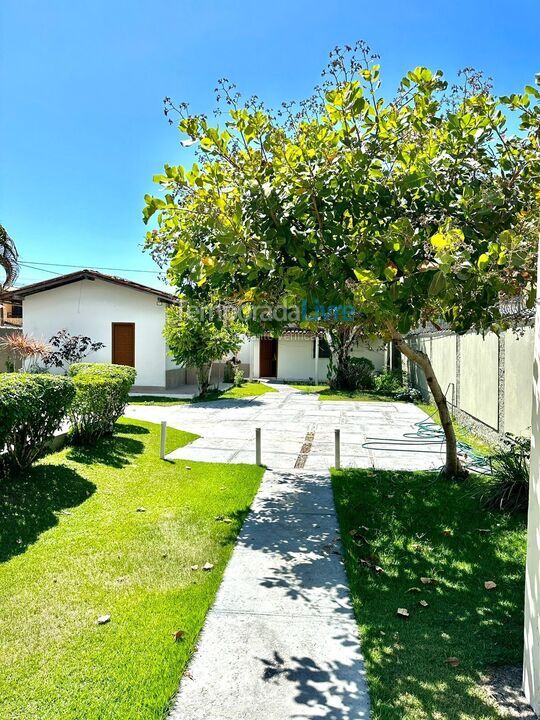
x=103 y=619
x=414 y=590
x=179 y=635
x=427 y=581
x=483 y=530
x=447 y=532
x=402 y=612
x=452 y=661
x=207 y=566
x=423 y=603
x=194 y=567
x=188 y=467
x=490 y=585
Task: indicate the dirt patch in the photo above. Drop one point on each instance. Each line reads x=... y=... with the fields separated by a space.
x=503 y=685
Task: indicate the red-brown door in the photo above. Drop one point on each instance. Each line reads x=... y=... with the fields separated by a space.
x=123 y=344
x=268 y=357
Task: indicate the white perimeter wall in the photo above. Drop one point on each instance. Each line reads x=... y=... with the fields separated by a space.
x=531 y=665
x=89 y=307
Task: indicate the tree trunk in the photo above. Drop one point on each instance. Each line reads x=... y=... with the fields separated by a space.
x=203 y=378
x=340 y=340
x=453 y=467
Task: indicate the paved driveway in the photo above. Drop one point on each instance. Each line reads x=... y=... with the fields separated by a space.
x=298 y=432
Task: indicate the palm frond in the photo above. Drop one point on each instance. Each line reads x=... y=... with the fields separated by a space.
x=9 y=259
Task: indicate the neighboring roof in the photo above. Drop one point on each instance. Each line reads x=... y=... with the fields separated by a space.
x=50 y=284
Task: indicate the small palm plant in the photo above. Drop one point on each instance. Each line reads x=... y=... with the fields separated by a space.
x=508 y=489
x=25 y=349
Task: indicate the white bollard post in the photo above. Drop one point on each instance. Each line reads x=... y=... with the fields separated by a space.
x=163 y=439
x=337 y=448
x=258 y=446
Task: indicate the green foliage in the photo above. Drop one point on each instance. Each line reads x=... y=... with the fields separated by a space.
x=100 y=399
x=32 y=408
x=508 y=488
x=197 y=337
x=389 y=382
x=238 y=377
x=353 y=373
x=413 y=208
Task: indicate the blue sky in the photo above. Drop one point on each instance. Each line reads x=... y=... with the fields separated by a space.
x=82 y=85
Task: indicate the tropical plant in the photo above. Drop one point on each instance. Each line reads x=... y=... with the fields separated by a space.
x=198 y=337
x=25 y=349
x=9 y=259
x=418 y=209
x=66 y=349
x=508 y=486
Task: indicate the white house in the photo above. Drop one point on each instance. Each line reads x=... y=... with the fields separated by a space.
x=128 y=318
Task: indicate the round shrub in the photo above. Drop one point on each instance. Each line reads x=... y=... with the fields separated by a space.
x=32 y=408
x=101 y=395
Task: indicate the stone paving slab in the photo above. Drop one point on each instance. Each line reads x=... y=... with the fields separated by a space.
x=281 y=641
x=228 y=431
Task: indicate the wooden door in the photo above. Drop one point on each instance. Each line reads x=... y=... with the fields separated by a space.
x=123 y=344
x=268 y=357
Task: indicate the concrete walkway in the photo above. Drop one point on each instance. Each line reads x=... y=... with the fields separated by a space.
x=281 y=641
x=373 y=434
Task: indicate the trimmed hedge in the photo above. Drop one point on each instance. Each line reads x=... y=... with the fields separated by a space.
x=101 y=395
x=32 y=408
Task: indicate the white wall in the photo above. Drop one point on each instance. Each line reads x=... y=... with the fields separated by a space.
x=479 y=391
x=89 y=307
x=296 y=361
x=531 y=664
x=518 y=363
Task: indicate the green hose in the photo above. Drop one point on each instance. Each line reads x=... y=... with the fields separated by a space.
x=428 y=433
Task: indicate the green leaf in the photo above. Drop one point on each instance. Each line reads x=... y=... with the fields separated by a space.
x=437 y=284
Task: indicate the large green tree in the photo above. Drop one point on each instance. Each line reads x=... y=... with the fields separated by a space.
x=414 y=210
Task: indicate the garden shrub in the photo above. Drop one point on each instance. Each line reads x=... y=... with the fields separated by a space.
x=356 y=373
x=101 y=395
x=32 y=408
x=390 y=382
x=508 y=486
x=238 y=377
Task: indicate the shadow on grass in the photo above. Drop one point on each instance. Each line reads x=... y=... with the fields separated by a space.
x=413 y=526
x=29 y=503
x=114 y=450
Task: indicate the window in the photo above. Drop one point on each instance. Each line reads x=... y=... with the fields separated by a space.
x=324 y=348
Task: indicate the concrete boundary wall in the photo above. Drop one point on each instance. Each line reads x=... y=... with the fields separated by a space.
x=487 y=379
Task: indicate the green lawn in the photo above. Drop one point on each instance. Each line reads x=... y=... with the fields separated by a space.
x=325 y=393
x=416 y=525
x=463 y=434
x=110 y=531
x=246 y=390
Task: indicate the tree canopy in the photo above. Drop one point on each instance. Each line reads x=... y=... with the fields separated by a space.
x=421 y=208
x=199 y=337
x=418 y=208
